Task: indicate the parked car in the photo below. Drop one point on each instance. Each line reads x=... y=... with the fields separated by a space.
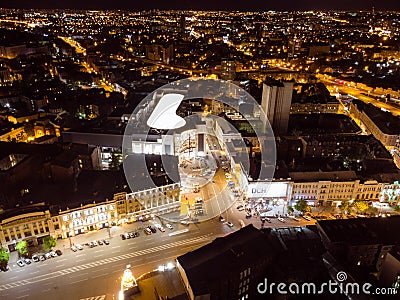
x=221 y=218
x=100 y=242
x=73 y=248
x=161 y=229
x=169 y=226
x=94 y=243
x=229 y=224
x=307 y=218
x=42 y=258
x=79 y=246
x=53 y=254
x=90 y=244
x=123 y=237
x=281 y=220
x=132 y=234
x=48 y=255
x=35 y=257
x=106 y=242
x=27 y=261
x=248 y=216
x=127 y=235
x=153 y=230
x=4 y=268
x=186 y=223
x=20 y=263
x=59 y=253
x=147 y=231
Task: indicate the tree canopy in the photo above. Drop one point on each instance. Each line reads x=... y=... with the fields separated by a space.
x=49 y=242
x=22 y=247
x=302 y=206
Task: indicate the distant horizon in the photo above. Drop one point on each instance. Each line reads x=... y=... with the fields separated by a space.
x=210 y=5
x=197 y=10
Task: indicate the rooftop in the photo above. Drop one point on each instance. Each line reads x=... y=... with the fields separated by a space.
x=223 y=256
x=386 y=122
x=363 y=231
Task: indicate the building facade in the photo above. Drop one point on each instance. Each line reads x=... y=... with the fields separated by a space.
x=90 y=217
x=31 y=226
x=276 y=101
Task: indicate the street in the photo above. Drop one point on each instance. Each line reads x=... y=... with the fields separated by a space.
x=95 y=272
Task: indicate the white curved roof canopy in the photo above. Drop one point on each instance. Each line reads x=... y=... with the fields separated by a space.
x=164 y=114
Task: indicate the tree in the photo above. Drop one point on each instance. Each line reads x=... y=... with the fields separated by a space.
x=22 y=247
x=49 y=242
x=360 y=205
x=4 y=255
x=302 y=206
x=290 y=209
x=345 y=207
x=29 y=129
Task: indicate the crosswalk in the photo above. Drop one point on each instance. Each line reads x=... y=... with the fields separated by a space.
x=102 y=297
x=48 y=276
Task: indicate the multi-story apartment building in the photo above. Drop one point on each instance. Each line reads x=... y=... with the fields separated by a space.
x=31 y=224
x=36 y=222
x=383 y=125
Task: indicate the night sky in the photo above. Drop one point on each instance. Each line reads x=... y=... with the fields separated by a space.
x=244 y=5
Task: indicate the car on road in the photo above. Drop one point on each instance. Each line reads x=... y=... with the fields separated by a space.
x=147 y=231
x=281 y=220
x=123 y=237
x=186 y=223
x=73 y=248
x=79 y=246
x=229 y=224
x=20 y=263
x=221 y=218
x=307 y=218
x=161 y=229
x=169 y=226
x=35 y=257
x=59 y=253
x=106 y=242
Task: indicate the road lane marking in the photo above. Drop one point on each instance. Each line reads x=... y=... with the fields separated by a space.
x=55 y=274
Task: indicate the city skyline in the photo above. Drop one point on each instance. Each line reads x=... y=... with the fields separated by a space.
x=252 y=5
x=151 y=154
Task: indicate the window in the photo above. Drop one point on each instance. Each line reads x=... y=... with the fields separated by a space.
x=65 y=218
